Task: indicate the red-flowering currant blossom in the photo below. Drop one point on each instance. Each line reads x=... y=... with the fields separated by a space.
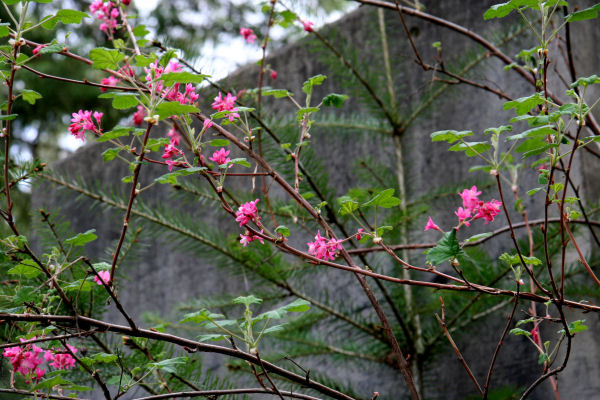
x=63 y=360
x=26 y=360
x=273 y=74
x=104 y=275
x=359 y=233
x=110 y=81
x=175 y=136
x=37 y=49
x=138 y=116
x=106 y=12
x=431 y=225
x=462 y=215
x=227 y=103
x=322 y=248
x=535 y=334
x=82 y=121
x=488 y=210
x=247 y=212
x=207 y=124
x=470 y=198
x=248 y=34
x=307 y=25
x=220 y=157
x=247 y=238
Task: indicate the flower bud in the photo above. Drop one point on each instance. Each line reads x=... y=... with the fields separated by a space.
x=377 y=240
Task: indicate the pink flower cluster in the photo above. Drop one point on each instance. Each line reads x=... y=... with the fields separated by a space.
x=82 y=121
x=322 y=248
x=26 y=360
x=220 y=157
x=139 y=115
x=106 y=12
x=226 y=103
x=248 y=34
x=247 y=212
x=104 y=275
x=472 y=209
x=308 y=25
x=155 y=71
x=36 y=51
x=247 y=238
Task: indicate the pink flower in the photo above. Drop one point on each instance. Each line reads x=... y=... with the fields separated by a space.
x=247 y=212
x=37 y=49
x=248 y=34
x=110 y=81
x=542 y=168
x=82 y=121
x=359 y=233
x=431 y=225
x=138 y=116
x=64 y=360
x=25 y=360
x=488 y=210
x=107 y=13
x=175 y=137
x=470 y=198
x=170 y=151
x=462 y=215
x=171 y=163
x=207 y=124
x=535 y=334
x=307 y=25
x=220 y=157
x=248 y=238
x=224 y=104
x=104 y=275
x=322 y=248
x=273 y=74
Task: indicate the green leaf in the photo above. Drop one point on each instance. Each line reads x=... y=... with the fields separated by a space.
x=119 y=131
x=503 y=9
x=169 y=365
x=577 y=326
x=543 y=357
x=449 y=136
x=213 y=337
x=520 y=332
x=307 y=86
x=590 y=80
x=50 y=383
x=52 y=48
x=171 y=177
x=278 y=93
x=471 y=149
x=283 y=230
x=28 y=268
x=143 y=61
x=110 y=154
x=384 y=199
x=298 y=305
x=241 y=161
x=30 y=96
x=588 y=13
x=479 y=236
x=4 y=29
x=499 y=130
x=169 y=108
x=171 y=78
x=104 y=358
x=445 y=250
x=539 y=131
x=82 y=238
x=347 y=205
x=334 y=99
x=306 y=110
x=104 y=58
x=65 y=16
x=200 y=317
x=247 y=300
x=8 y=117
x=219 y=143
x=524 y=104
x=140 y=31
x=121 y=101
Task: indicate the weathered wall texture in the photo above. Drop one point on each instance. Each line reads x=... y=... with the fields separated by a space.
x=155 y=283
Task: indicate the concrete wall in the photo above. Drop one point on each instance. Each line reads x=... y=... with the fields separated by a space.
x=154 y=281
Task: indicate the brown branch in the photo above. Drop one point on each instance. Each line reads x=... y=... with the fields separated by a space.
x=212 y=394
x=38 y=394
x=179 y=341
x=94 y=374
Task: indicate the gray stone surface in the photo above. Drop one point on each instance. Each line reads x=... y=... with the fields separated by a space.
x=155 y=282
